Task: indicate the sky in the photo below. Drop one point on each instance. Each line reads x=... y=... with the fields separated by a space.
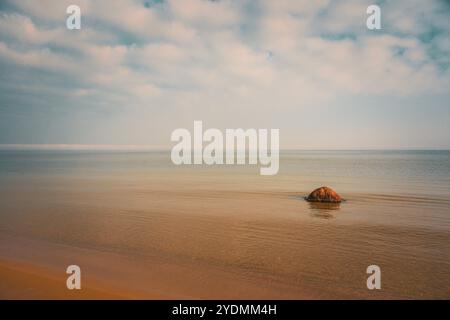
x=137 y=70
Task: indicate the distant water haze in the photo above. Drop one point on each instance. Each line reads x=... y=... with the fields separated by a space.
x=227 y=224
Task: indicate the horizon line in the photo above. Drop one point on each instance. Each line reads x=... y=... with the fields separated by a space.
x=142 y=147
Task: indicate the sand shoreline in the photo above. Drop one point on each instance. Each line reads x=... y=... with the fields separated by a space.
x=26 y=281
x=37 y=271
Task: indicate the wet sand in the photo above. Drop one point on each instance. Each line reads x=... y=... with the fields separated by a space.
x=25 y=281
x=36 y=270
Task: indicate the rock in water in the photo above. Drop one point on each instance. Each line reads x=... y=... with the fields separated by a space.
x=324 y=194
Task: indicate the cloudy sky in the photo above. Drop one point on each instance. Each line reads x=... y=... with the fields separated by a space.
x=137 y=70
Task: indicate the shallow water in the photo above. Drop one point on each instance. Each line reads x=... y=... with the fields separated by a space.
x=396 y=215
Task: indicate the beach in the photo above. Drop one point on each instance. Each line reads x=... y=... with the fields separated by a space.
x=141 y=228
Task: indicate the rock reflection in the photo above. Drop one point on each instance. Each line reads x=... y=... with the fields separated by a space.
x=323 y=210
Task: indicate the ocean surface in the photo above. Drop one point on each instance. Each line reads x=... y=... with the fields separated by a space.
x=138 y=205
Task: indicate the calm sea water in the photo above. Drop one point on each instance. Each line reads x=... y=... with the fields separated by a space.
x=396 y=214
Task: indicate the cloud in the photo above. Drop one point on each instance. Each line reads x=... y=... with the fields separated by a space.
x=198 y=57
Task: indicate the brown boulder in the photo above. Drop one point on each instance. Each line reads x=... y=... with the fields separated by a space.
x=324 y=194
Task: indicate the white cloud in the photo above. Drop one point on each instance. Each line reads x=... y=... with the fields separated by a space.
x=189 y=55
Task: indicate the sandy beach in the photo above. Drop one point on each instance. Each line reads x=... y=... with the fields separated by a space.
x=36 y=270
x=22 y=281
